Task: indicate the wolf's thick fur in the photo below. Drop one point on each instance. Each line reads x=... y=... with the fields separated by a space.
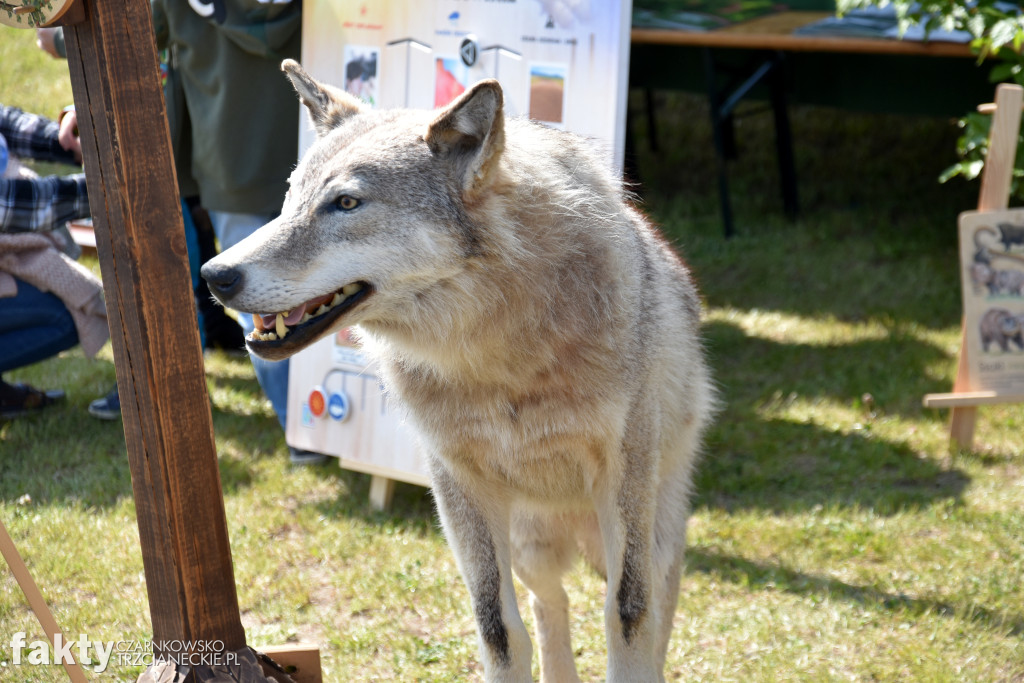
x=544 y=339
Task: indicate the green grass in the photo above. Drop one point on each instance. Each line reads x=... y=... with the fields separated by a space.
x=834 y=535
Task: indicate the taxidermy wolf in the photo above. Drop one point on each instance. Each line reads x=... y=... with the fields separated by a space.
x=543 y=338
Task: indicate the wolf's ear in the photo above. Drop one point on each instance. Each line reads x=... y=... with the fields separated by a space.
x=328 y=106
x=471 y=133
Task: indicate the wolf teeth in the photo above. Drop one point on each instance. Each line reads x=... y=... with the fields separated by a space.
x=281 y=329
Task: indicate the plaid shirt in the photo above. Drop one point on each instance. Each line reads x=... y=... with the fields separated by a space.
x=42 y=203
x=29 y=205
x=32 y=136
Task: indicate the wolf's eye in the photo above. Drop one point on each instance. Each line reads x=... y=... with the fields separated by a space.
x=346 y=203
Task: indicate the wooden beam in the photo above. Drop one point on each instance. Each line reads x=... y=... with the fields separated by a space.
x=997 y=174
x=164 y=402
x=969 y=398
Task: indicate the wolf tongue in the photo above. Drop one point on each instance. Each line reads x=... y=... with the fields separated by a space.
x=295 y=315
x=316 y=303
x=292 y=317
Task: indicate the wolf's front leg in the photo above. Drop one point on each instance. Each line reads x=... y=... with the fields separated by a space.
x=476 y=524
x=543 y=548
x=631 y=616
x=625 y=512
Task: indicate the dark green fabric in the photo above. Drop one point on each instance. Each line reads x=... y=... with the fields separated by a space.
x=233 y=115
x=58 y=43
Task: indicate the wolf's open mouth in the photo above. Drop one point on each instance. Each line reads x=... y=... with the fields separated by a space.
x=305 y=323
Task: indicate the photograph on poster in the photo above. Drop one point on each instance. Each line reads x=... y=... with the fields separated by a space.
x=451 y=80
x=361 y=72
x=992 y=256
x=547 y=93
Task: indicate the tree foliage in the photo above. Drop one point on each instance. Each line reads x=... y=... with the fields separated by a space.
x=997 y=36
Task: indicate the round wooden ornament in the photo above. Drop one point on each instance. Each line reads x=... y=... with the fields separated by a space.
x=32 y=13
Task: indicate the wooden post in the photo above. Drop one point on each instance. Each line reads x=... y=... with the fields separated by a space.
x=382 y=492
x=164 y=403
x=140 y=239
x=994 y=196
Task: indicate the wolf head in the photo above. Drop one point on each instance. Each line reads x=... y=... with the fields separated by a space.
x=375 y=217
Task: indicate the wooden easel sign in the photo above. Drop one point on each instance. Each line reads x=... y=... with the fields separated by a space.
x=992 y=257
x=991 y=367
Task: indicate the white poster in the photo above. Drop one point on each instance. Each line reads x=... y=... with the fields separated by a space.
x=561 y=62
x=992 y=259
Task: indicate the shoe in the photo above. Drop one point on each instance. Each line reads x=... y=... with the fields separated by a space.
x=298 y=457
x=108 y=407
x=21 y=399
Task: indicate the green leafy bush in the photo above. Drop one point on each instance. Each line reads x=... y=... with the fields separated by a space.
x=997 y=31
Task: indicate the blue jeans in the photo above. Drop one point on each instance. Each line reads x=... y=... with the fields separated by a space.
x=232 y=228
x=192 y=245
x=34 y=326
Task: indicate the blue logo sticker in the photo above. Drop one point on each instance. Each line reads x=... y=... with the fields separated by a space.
x=338 y=406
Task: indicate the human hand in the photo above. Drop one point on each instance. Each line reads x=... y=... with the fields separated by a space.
x=46 y=43
x=68 y=134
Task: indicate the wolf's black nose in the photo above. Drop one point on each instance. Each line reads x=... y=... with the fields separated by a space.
x=224 y=281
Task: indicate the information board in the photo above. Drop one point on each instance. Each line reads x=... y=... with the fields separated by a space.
x=992 y=256
x=561 y=62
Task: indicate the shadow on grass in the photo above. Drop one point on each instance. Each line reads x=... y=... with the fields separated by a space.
x=782 y=466
x=64 y=455
x=894 y=370
x=94 y=471
x=411 y=510
x=754 y=461
x=882 y=169
x=758 y=576
x=876 y=234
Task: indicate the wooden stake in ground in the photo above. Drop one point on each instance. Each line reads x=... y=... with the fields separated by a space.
x=141 y=244
x=994 y=196
x=36 y=601
x=168 y=428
